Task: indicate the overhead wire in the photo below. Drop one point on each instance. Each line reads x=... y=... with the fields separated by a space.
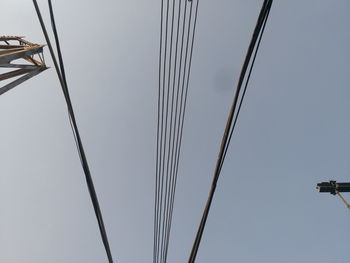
x=167 y=230
x=166 y=201
x=157 y=187
x=174 y=67
x=167 y=176
x=181 y=123
x=62 y=78
x=169 y=212
x=166 y=90
x=162 y=147
x=259 y=28
x=177 y=93
x=245 y=89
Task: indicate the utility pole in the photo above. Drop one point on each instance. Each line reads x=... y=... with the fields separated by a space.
x=334 y=188
x=13 y=49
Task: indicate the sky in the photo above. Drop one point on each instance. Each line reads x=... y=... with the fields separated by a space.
x=293 y=132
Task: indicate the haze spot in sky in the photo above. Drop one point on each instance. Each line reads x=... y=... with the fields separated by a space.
x=223 y=81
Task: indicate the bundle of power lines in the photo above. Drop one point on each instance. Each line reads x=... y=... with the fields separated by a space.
x=59 y=67
x=233 y=116
x=177 y=31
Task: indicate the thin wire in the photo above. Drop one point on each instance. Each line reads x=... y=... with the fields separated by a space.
x=183 y=116
x=167 y=179
x=180 y=67
x=263 y=13
x=174 y=128
x=162 y=150
x=74 y=127
x=168 y=163
x=168 y=176
x=179 y=82
x=170 y=128
x=185 y=68
x=157 y=188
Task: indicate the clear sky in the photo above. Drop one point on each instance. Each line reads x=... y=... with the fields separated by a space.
x=293 y=132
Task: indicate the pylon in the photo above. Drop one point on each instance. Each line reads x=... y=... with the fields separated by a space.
x=13 y=49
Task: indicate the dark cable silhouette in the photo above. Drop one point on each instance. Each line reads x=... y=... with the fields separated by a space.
x=260 y=25
x=175 y=57
x=61 y=75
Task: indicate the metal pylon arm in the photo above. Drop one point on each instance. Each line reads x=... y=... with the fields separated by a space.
x=13 y=49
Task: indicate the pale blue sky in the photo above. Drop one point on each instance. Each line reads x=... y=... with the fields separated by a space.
x=293 y=132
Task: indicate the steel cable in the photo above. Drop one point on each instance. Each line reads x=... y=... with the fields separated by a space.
x=61 y=75
x=260 y=25
x=181 y=123
x=245 y=89
x=174 y=70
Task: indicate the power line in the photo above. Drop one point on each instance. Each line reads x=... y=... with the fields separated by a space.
x=177 y=93
x=172 y=138
x=230 y=125
x=245 y=89
x=175 y=57
x=160 y=193
x=181 y=123
x=62 y=78
x=168 y=227
x=167 y=176
x=156 y=199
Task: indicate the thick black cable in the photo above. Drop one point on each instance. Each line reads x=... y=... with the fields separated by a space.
x=80 y=146
x=244 y=90
x=263 y=13
x=78 y=140
x=62 y=78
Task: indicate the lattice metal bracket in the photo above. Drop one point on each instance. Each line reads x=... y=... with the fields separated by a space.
x=13 y=48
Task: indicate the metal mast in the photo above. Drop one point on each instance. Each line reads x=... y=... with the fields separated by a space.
x=13 y=48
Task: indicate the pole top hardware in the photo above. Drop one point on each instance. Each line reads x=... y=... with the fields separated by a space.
x=333 y=187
